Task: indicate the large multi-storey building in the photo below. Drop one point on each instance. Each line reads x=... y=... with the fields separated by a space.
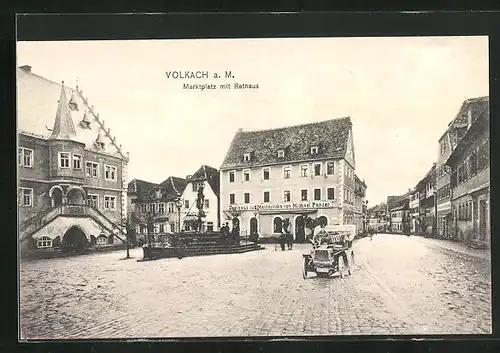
x=470 y=179
x=447 y=143
x=72 y=173
x=306 y=170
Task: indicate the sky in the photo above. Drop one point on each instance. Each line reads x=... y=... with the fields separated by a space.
x=400 y=93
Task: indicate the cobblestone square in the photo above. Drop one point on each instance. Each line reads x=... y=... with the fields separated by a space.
x=401 y=285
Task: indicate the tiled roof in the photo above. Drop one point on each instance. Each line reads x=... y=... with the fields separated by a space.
x=395 y=201
x=378 y=208
x=479 y=123
x=38 y=105
x=478 y=105
x=140 y=188
x=171 y=188
x=423 y=181
x=208 y=174
x=331 y=136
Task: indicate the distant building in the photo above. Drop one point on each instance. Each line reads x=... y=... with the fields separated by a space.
x=270 y=175
x=414 y=206
x=155 y=204
x=400 y=216
x=72 y=172
x=426 y=188
x=398 y=211
x=360 y=217
x=470 y=178
x=378 y=218
x=209 y=178
x=447 y=143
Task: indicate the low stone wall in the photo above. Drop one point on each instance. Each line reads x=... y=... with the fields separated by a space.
x=57 y=252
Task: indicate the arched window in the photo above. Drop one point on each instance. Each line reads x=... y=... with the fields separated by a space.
x=278 y=225
x=44 y=242
x=323 y=221
x=101 y=240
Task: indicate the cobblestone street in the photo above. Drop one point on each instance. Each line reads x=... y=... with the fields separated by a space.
x=401 y=285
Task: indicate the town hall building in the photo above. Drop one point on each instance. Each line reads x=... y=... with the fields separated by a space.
x=293 y=172
x=71 y=170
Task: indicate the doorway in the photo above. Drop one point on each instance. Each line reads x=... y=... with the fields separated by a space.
x=483 y=215
x=300 y=229
x=74 y=240
x=253 y=225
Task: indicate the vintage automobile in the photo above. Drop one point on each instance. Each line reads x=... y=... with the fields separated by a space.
x=332 y=253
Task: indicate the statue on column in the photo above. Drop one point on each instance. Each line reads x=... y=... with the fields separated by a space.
x=200 y=202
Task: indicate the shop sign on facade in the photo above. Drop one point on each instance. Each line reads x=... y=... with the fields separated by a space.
x=283 y=206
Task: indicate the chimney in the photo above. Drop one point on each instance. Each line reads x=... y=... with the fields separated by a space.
x=26 y=68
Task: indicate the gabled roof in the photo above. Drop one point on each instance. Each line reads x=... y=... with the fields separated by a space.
x=170 y=189
x=395 y=201
x=377 y=208
x=359 y=181
x=208 y=174
x=478 y=106
x=330 y=136
x=479 y=124
x=428 y=175
x=140 y=189
x=44 y=111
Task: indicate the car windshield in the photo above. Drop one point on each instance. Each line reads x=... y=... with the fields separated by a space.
x=321 y=255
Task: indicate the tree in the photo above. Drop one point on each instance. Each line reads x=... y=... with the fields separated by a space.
x=130 y=233
x=147 y=218
x=231 y=214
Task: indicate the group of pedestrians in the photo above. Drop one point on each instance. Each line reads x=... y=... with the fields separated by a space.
x=286 y=241
x=230 y=236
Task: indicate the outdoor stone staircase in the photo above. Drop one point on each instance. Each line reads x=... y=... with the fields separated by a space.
x=199 y=245
x=39 y=221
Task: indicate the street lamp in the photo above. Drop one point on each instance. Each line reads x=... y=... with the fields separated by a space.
x=178 y=204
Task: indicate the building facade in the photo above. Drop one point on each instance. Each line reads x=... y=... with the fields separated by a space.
x=470 y=181
x=290 y=173
x=447 y=143
x=209 y=179
x=155 y=206
x=426 y=187
x=400 y=217
x=72 y=173
x=414 y=210
x=360 y=207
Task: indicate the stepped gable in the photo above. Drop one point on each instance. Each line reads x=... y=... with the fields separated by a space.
x=46 y=109
x=331 y=136
x=208 y=174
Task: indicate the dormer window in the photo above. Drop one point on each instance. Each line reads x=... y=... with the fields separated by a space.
x=85 y=122
x=100 y=141
x=281 y=153
x=314 y=150
x=72 y=102
x=246 y=157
